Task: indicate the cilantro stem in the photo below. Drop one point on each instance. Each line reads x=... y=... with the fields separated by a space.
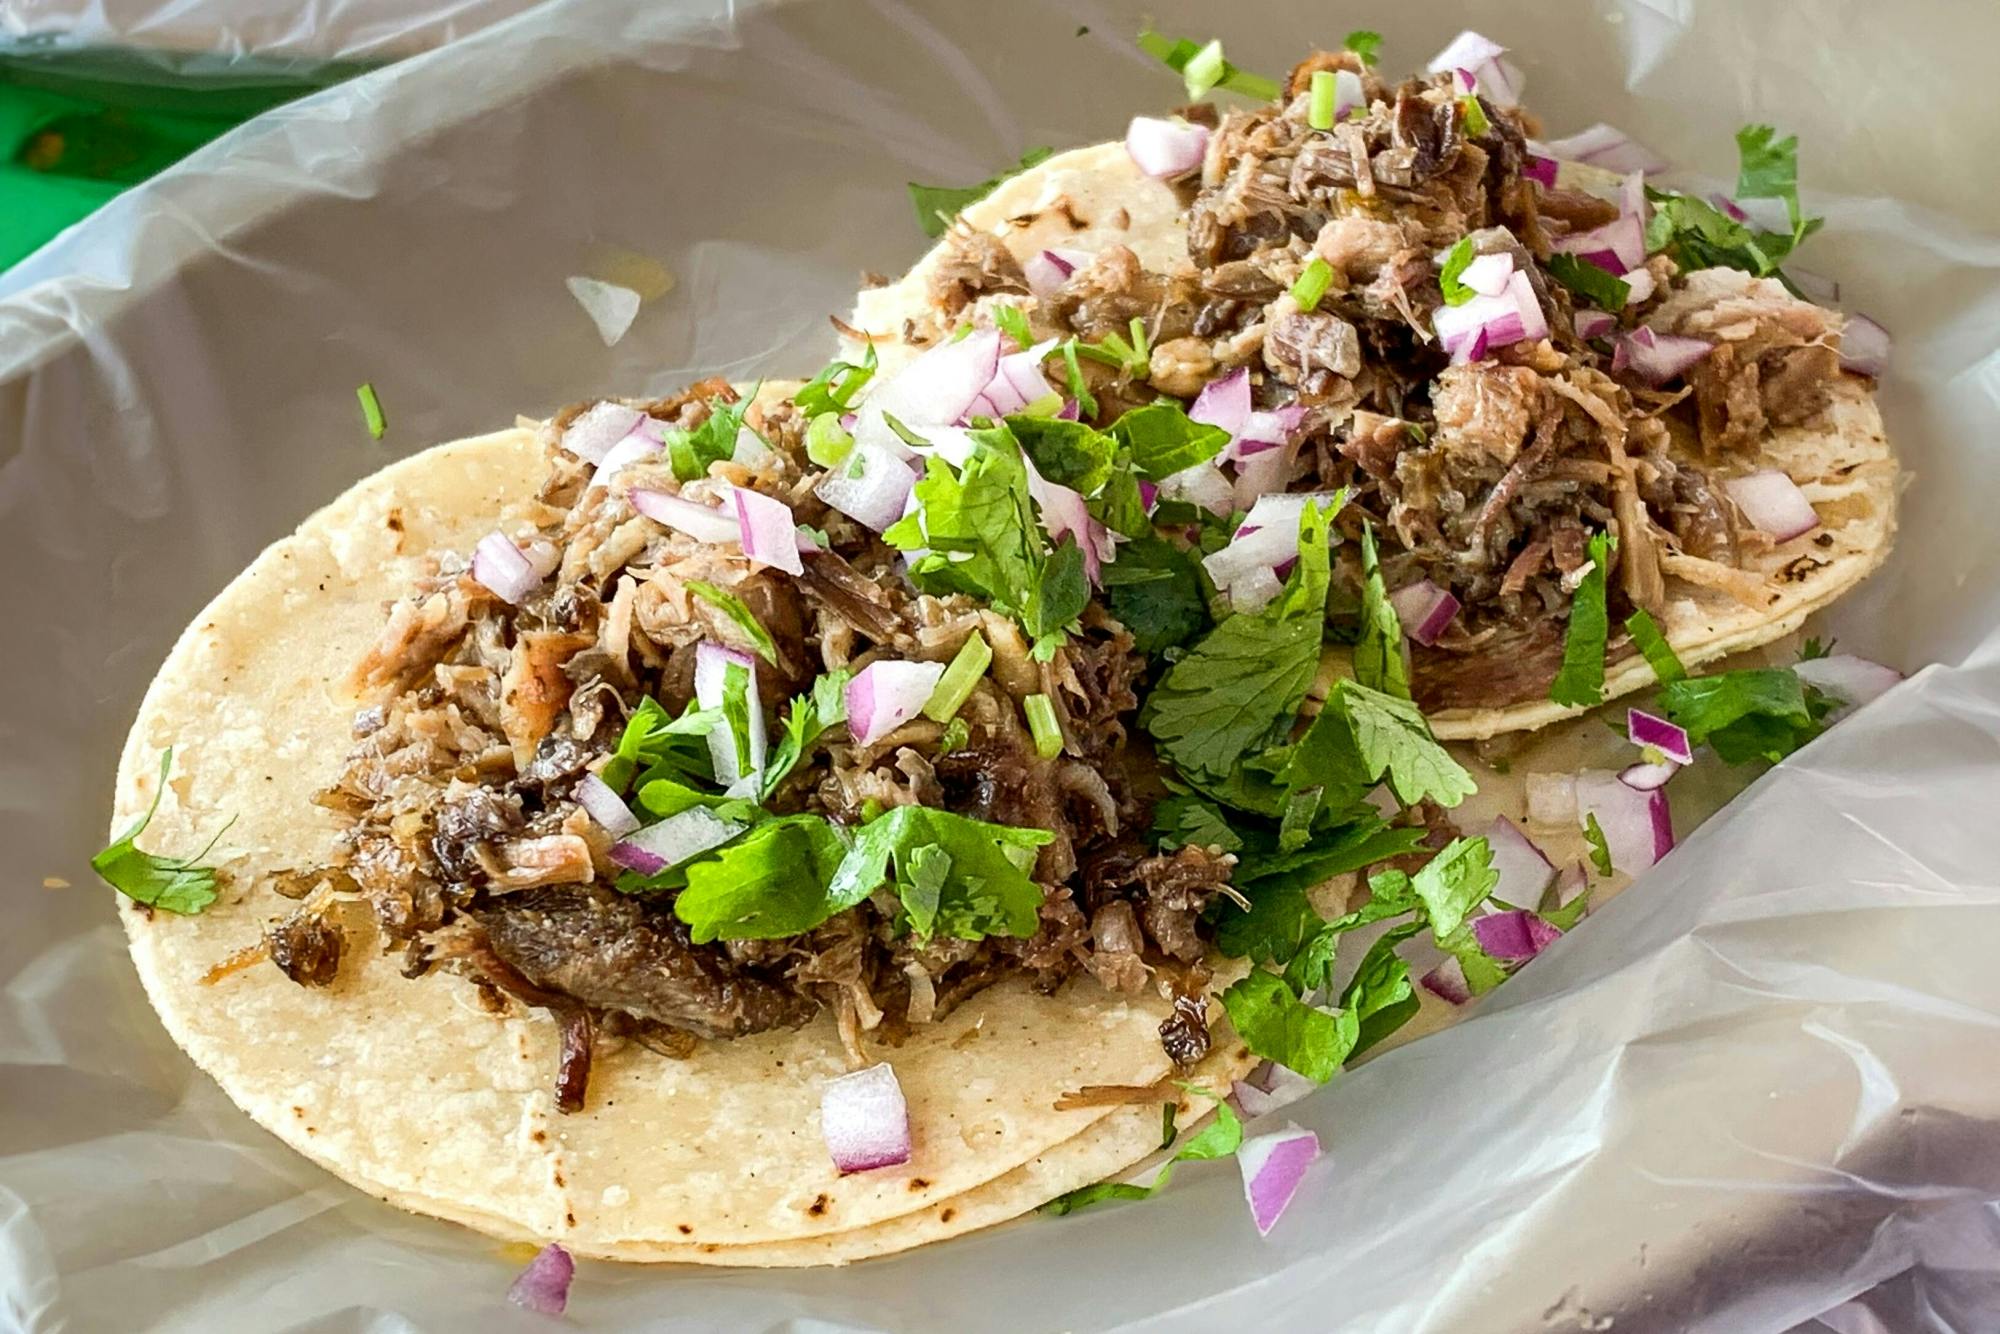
x=1042 y=725
x=371 y=411
x=1319 y=113
x=960 y=679
x=1312 y=283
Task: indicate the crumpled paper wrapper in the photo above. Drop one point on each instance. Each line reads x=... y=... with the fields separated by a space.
x=1752 y=1088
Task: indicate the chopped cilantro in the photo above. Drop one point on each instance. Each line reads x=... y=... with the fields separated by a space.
x=1241 y=684
x=978 y=525
x=836 y=386
x=1380 y=996
x=1812 y=649
x=177 y=884
x=1312 y=282
x=954 y=737
x=744 y=619
x=655 y=740
x=691 y=452
x=1476 y=124
x=1218 y=1139
x=1079 y=389
x=1203 y=68
x=736 y=706
x=1378 y=655
x=371 y=411
x=1392 y=739
x=1581 y=680
x=1600 y=847
x=1760 y=713
x=1043 y=726
x=827 y=442
x=1363 y=43
x=806 y=718
x=986 y=891
x=1161 y=439
x=1010 y=321
x=1319 y=111
x=1454 y=882
x=1281 y=918
x=1767 y=167
x=1186 y=820
x=775 y=880
x=1653 y=646
x=937 y=205
x=1278 y=1026
x=1599 y=286
x=1699 y=235
x=1455 y=263
x=960 y=679
x=1168 y=1132
x=1154 y=589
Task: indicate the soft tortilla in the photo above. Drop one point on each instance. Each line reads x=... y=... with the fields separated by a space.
x=1094 y=198
x=410 y=1089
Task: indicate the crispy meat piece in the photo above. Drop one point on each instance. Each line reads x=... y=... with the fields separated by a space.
x=1184 y=1033
x=305 y=946
x=1775 y=357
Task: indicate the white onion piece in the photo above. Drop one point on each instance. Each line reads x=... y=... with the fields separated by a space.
x=1498 y=81
x=605 y=806
x=676 y=839
x=504 y=568
x=1645 y=777
x=1853 y=681
x=1348 y=93
x=1552 y=800
x=1595 y=323
x=1816 y=287
x=1164 y=148
x=598 y=428
x=1470 y=330
x=1773 y=502
x=1283 y=511
x=1263 y=430
x=749 y=449
x=1254 y=590
x=711 y=668
x=1017 y=381
x=701 y=522
x=1571 y=881
x=1202 y=485
x=1864 y=346
x=611 y=308
x=1488 y=274
x=1604 y=146
x=1617 y=247
x=638 y=447
x=865 y=1121
x=1252 y=549
x=1273 y=1166
x=869 y=486
x=1670 y=740
x=1523 y=868
x=1656 y=357
x=937 y=389
x=1424 y=610
x=543 y=555
x=1638 y=825
x=767 y=529
x=886 y=694
x=1224 y=403
x=1515 y=935
x=1640 y=285
x=1447 y=982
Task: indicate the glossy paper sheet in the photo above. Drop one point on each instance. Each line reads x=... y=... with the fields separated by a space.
x=1757 y=1085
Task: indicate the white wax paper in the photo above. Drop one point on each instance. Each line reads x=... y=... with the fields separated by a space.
x=1757 y=1085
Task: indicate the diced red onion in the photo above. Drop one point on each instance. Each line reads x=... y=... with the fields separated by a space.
x=638 y=447
x=711 y=669
x=1656 y=357
x=1270 y=1087
x=605 y=806
x=1864 y=346
x=1267 y=472
x=598 y=428
x=1571 y=881
x=1552 y=800
x=1638 y=825
x=1064 y=512
x=1470 y=330
x=701 y=522
x=1853 y=681
x=543 y=1287
x=676 y=839
x=1632 y=199
x=1165 y=148
x=1265 y=429
x=504 y=568
x=886 y=694
x=1224 y=403
x=1816 y=287
x=937 y=389
x=1424 y=610
x=1273 y=1166
x=1283 y=511
x=1479 y=57
x=1729 y=207
x=1017 y=381
x=1773 y=502
x=1348 y=93
x=1645 y=729
x=1046 y=270
x=1517 y=934
x=750 y=449
x=1488 y=274
x=1612 y=149
x=1202 y=485
x=1254 y=590
x=611 y=308
x=543 y=555
x=1149 y=495
x=1252 y=549
x=1617 y=247
x=869 y=486
x=767 y=529
x=1645 y=777
x=865 y=1121
x=1595 y=323
x=1523 y=869
x=1539 y=169
x=1534 y=324
x=1447 y=982
x=1070 y=411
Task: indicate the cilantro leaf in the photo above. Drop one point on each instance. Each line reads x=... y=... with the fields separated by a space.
x=1380 y=996
x=1011 y=321
x=1072 y=454
x=1393 y=739
x=1363 y=43
x=978 y=524
x=1278 y=1026
x=1760 y=713
x=1241 y=685
x=1378 y=656
x=1184 y=820
x=1161 y=439
x=806 y=718
x=1476 y=124
x=1454 y=882
x=1202 y=68
x=691 y=452
x=1456 y=260
x=1060 y=591
x=1218 y=1139
x=1079 y=388
x=1597 y=285
x=1768 y=168
x=1154 y=589
x=1698 y=235
x=177 y=884
x=736 y=706
x=1653 y=646
x=985 y=892
x=937 y=205
x=655 y=740
x=1482 y=971
x=836 y=386
x=1813 y=648
x=745 y=620
x=777 y=879
x=1281 y=919
x=1600 y=847
x=1581 y=680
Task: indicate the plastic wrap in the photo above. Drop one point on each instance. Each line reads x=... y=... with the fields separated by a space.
x=1753 y=1088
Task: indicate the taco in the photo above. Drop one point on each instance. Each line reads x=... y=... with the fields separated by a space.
x=1361 y=278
